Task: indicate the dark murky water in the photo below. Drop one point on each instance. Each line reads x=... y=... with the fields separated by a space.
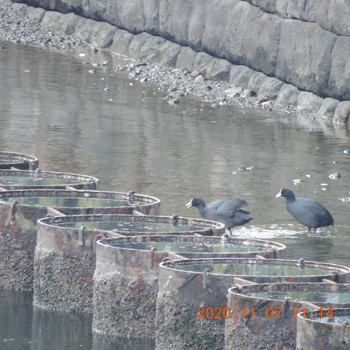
x=125 y=134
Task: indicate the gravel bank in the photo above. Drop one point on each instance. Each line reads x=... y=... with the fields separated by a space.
x=16 y=28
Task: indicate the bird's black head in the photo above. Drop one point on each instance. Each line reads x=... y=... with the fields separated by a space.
x=195 y=202
x=288 y=194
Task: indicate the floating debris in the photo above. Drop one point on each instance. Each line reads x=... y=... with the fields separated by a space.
x=346 y=151
x=245 y=168
x=266 y=104
x=334 y=176
x=297 y=181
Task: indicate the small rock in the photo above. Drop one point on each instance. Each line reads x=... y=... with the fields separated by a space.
x=233 y=92
x=248 y=93
x=194 y=74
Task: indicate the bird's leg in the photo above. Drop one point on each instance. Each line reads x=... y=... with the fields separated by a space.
x=232 y=234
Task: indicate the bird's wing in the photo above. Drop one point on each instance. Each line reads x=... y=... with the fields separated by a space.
x=231 y=205
x=313 y=206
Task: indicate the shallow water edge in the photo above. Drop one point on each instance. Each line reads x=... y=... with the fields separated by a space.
x=178 y=69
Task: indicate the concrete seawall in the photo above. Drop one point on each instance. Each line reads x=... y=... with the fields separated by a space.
x=292 y=52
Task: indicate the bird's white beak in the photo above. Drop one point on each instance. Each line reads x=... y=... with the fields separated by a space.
x=189 y=204
x=279 y=194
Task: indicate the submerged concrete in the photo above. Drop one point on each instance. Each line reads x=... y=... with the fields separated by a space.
x=287 y=52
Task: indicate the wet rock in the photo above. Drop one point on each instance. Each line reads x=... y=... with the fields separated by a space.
x=51 y=20
x=68 y=23
x=248 y=93
x=288 y=95
x=308 y=102
x=233 y=92
x=174 y=97
x=185 y=58
x=256 y=80
x=137 y=43
x=269 y=89
x=328 y=107
x=342 y=113
x=83 y=29
x=102 y=35
x=240 y=76
x=219 y=70
x=151 y=49
x=202 y=63
x=169 y=53
x=121 y=42
x=35 y=14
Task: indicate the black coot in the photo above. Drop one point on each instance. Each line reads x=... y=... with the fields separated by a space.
x=226 y=211
x=306 y=211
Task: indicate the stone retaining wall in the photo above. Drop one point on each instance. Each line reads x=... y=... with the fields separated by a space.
x=302 y=43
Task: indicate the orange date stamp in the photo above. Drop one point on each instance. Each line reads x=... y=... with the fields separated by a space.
x=269 y=313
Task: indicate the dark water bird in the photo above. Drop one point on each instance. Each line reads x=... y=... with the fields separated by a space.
x=226 y=211
x=306 y=211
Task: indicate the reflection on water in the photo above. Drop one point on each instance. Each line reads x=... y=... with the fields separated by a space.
x=69 y=202
x=33 y=181
x=135 y=227
x=251 y=269
x=16 y=315
x=191 y=247
x=126 y=135
x=23 y=326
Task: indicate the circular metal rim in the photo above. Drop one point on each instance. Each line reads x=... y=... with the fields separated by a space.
x=338 y=269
